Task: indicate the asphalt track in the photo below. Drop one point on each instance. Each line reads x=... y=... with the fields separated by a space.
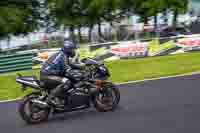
x=161 y=106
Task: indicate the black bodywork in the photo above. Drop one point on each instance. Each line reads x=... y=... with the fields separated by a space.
x=79 y=95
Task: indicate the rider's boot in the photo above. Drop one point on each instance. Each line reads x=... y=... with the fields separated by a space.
x=53 y=98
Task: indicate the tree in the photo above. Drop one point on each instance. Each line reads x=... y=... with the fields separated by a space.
x=78 y=13
x=94 y=10
x=177 y=6
x=102 y=11
x=18 y=17
x=67 y=13
x=148 y=8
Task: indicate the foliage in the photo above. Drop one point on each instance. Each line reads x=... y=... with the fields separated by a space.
x=18 y=17
x=21 y=17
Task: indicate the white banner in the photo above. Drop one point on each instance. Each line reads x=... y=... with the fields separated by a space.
x=189 y=44
x=130 y=49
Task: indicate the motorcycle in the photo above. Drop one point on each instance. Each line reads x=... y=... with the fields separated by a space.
x=89 y=87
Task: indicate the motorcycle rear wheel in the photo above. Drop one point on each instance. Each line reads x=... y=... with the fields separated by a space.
x=36 y=114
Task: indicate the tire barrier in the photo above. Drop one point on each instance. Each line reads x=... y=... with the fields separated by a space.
x=15 y=62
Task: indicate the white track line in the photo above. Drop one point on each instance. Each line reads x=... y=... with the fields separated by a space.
x=130 y=82
x=153 y=79
x=11 y=100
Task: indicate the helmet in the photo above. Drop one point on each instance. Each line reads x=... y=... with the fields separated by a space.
x=69 y=47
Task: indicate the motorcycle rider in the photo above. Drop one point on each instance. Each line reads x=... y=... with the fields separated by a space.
x=53 y=71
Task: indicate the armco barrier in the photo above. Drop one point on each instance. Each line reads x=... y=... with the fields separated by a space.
x=15 y=62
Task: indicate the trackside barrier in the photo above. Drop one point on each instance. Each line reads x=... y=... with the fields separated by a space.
x=109 y=44
x=15 y=62
x=149 y=47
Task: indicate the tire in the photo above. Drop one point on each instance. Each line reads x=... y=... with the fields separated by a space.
x=22 y=110
x=103 y=108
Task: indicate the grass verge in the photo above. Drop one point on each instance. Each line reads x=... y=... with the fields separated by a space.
x=121 y=71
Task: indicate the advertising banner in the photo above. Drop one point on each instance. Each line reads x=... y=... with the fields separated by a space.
x=189 y=44
x=130 y=49
x=142 y=49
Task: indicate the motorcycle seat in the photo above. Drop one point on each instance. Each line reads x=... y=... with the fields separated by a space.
x=30 y=81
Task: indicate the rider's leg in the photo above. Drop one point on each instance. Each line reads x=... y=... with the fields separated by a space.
x=60 y=83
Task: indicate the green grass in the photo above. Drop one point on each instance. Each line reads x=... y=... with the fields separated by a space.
x=121 y=71
x=153 y=67
x=9 y=89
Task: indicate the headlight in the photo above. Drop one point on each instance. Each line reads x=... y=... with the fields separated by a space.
x=102 y=68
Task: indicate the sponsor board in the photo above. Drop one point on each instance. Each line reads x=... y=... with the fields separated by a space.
x=142 y=49
x=130 y=49
x=189 y=44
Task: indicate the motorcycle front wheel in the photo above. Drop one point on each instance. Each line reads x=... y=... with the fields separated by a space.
x=105 y=102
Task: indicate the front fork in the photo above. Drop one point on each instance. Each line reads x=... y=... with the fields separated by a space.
x=107 y=88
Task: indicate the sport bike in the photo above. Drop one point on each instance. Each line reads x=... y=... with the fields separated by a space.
x=89 y=88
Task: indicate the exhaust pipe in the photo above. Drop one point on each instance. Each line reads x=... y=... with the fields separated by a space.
x=41 y=104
